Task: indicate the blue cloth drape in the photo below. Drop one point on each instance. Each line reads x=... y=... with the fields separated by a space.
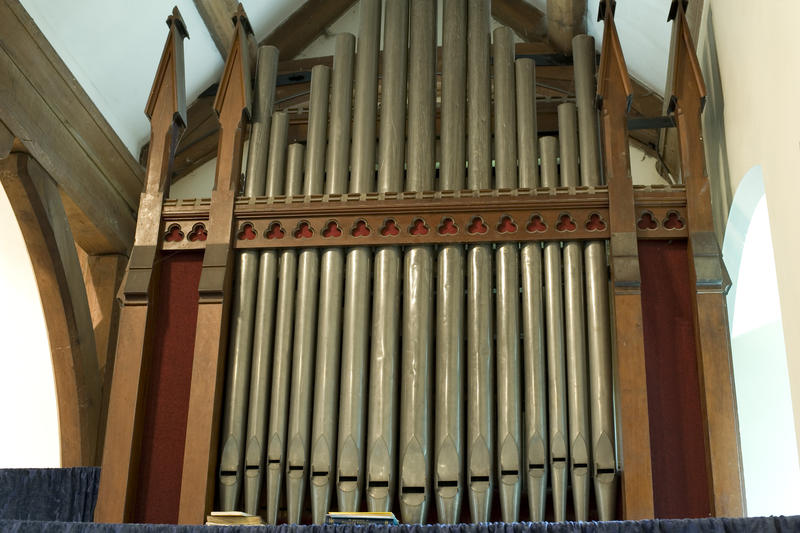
x=55 y=494
x=703 y=525
x=56 y=500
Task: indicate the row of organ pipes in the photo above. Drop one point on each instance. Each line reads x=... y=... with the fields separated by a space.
x=405 y=379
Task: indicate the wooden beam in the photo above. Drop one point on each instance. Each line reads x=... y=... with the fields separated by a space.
x=43 y=105
x=304 y=25
x=6 y=141
x=526 y=21
x=37 y=206
x=216 y=15
x=723 y=453
x=565 y=20
x=232 y=106
x=614 y=91
x=126 y=409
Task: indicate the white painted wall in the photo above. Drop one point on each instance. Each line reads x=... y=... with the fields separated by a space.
x=759 y=63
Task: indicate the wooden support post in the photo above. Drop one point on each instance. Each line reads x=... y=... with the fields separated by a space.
x=709 y=279
x=37 y=206
x=166 y=109
x=102 y=276
x=614 y=92
x=232 y=105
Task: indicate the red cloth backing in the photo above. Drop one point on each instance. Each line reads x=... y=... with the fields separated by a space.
x=680 y=477
x=167 y=398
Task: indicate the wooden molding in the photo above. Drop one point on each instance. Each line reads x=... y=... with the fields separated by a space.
x=118 y=478
x=519 y=215
x=232 y=104
x=707 y=274
x=37 y=206
x=61 y=128
x=614 y=91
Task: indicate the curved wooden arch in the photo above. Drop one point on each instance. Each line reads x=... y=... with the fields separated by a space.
x=37 y=206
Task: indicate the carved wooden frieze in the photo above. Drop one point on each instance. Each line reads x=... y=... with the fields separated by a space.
x=381 y=219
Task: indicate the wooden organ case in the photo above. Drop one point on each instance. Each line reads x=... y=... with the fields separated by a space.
x=498 y=327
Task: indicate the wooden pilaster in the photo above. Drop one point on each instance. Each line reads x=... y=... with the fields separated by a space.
x=707 y=273
x=614 y=93
x=166 y=109
x=232 y=104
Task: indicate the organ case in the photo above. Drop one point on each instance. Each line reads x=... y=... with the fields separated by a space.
x=452 y=331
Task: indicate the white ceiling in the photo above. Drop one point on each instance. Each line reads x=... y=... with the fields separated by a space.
x=113 y=47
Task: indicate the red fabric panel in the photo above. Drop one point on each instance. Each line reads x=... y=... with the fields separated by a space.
x=680 y=477
x=164 y=428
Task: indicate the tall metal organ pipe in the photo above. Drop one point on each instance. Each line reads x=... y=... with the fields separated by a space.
x=329 y=324
x=556 y=371
x=234 y=418
x=601 y=407
x=414 y=444
x=575 y=330
x=480 y=314
x=306 y=308
x=535 y=382
x=355 y=334
x=282 y=350
x=449 y=413
x=384 y=366
x=261 y=369
x=507 y=285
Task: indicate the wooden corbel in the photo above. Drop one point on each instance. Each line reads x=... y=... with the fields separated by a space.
x=166 y=108
x=232 y=104
x=708 y=276
x=614 y=99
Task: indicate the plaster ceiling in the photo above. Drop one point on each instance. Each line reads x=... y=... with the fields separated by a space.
x=113 y=47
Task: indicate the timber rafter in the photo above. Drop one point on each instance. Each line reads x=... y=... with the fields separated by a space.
x=44 y=107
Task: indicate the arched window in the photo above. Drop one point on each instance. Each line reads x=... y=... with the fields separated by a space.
x=769 y=448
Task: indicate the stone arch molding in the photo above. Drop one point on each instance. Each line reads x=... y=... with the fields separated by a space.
x=38 y=208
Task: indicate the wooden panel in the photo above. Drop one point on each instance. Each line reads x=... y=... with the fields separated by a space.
x=680 y=478
x=37 y=206
x=167 y=403
x=42 y=104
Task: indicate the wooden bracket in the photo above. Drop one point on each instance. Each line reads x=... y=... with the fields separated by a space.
x=614 y=97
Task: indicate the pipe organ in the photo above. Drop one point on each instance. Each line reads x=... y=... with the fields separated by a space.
x=451 y=329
